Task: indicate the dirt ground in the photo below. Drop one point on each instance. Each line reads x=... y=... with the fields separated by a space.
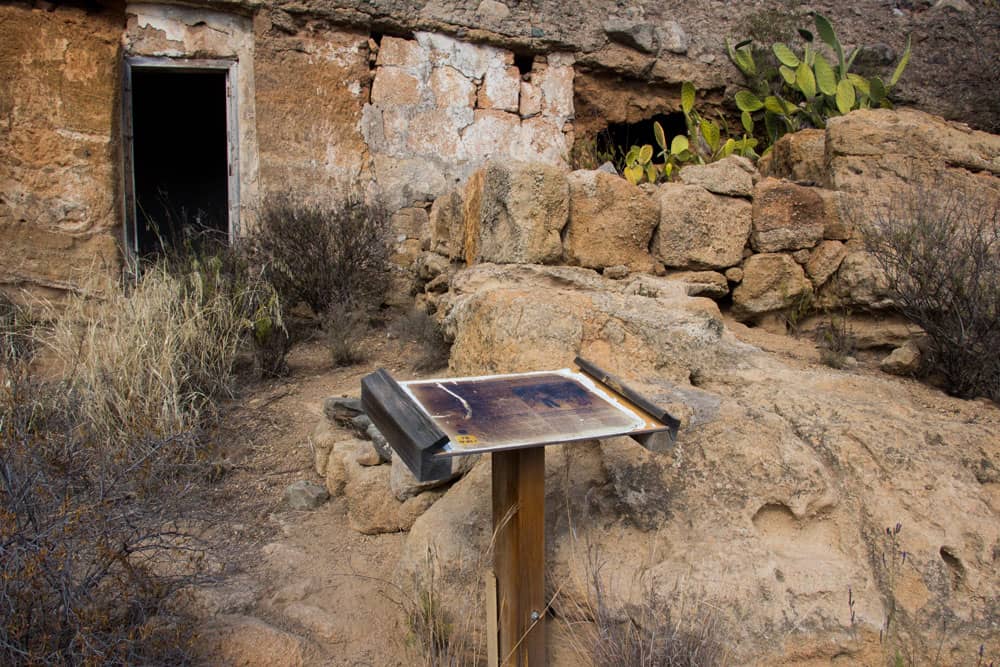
x=324 y=591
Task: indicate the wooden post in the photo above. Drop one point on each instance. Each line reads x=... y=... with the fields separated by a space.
x=519 y=555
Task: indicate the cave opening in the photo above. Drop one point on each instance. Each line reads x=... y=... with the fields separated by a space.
x=614 y=141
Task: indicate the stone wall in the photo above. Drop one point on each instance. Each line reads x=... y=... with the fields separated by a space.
x=59 y=176
x=311 y=85
x=440 y=107
x=773 y=247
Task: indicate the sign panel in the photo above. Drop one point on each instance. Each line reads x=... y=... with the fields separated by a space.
x=498 y=412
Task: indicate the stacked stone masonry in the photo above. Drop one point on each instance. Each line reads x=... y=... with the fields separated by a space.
x=778 y=243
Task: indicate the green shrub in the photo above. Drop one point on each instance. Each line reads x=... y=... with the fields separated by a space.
x=705 y=141
x=940 y=253
x=806 y=87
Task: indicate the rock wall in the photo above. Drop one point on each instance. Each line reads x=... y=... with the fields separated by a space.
x=775 y=248
x=59 y=176
x=440 y=107
x=311 y=87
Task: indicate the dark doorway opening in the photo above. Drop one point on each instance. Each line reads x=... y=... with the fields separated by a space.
x=617 y=138
x=180 y=157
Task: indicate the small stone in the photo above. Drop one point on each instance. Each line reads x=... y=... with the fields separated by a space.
x=305 y=495
x=734 y=274
x=342 y=409
x=672 y=38
x=322 y=440
x=801 y=256
x=380 y=443
x=702 y=283
x=492 y=9
x=367 y=455
x=609 y=168
x=903 y=360
x=616 y=272
x=640 y=36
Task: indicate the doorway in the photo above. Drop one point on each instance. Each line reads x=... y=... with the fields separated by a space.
x=181 y=175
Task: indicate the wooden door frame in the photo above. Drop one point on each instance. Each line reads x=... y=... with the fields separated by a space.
x=229 y=66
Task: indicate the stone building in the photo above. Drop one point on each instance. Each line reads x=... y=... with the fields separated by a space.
x=105 y=106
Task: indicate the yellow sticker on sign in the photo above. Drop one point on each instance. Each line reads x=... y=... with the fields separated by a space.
x=466 y=439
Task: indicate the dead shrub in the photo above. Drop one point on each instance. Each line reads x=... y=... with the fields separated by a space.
x=940 y=253
x=325 y=253
x=656 y=631
x=422 y=329
x=836 y=341
x=345 y=329
x=97 y=466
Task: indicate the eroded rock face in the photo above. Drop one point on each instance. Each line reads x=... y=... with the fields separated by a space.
x=515 y=212
x=610 y=222
x=774 y=503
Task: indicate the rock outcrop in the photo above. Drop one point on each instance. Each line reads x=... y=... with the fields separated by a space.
x=774 y=506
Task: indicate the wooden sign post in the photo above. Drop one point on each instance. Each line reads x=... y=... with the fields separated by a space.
x=511 y=417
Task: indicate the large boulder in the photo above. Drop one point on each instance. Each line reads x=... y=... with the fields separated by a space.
x=771 y=282
x=610 y=222
x=876 y=153
x=858 y=282
x=514 y=213
x=786 y=216
x=773 y=507
x=700 y=230
x=520 y=318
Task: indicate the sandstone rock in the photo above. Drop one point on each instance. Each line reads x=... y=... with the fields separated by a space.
x=429 y=265
x=734 y=274
x=447 y=225
x=336 y=468
x=770 y=282
x=494 y=10
x=394 y=86
x=702 y=283
x=365 y=454
x=610 y=222
x=438 y=285
x=786 y=216
x=404 y=181
x=494 y=134
x=858 y=282
x=867 y=330
x=398 y=52
x=371 y=507
x=305 y=495
x=451 y=89
x=530 y=103
x=514 y=212
x=800 y=256
x=700 y=230
x=317 y=622
x=839 y=226
x=904 y=360
x=824 y=260
x=249 y=642
x=616 y=272
x=322 y=440
x=905 y=146
x=732 y=176
x=800 y=156
x=409 y=223
x=508 y=319
x=405 y=486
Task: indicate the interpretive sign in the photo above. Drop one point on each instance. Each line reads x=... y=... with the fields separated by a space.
x=512 y=417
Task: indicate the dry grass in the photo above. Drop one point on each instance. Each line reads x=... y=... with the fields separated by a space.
x=649 y=629
x=97 y=466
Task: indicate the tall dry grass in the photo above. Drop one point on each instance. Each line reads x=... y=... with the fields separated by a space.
x=99 y=465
